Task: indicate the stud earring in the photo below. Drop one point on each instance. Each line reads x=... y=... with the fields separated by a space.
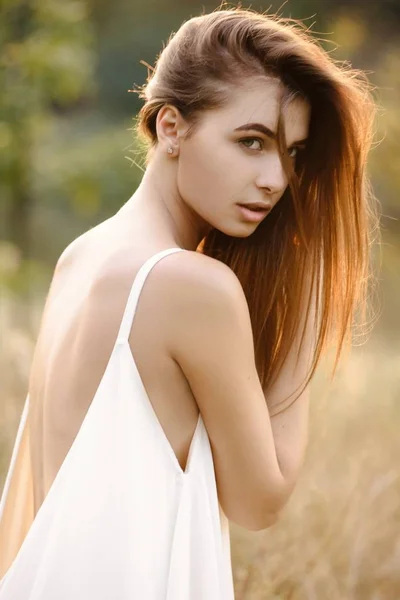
x=170 y=150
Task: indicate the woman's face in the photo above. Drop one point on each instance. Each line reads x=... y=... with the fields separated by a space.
x=232 y=159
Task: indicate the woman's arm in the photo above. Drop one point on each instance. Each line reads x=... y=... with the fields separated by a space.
x=208 y=331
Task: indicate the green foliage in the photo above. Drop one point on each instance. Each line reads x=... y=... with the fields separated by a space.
x=45 y=55
x=45 y=62
x=82 y=173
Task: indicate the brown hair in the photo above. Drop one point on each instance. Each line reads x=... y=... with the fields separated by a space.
x=320 y=231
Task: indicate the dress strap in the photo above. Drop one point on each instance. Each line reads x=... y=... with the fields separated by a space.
x=130 y=309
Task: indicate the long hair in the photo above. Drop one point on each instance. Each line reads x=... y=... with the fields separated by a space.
x=318 y=237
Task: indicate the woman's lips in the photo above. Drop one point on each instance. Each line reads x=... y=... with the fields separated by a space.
x=251 y=214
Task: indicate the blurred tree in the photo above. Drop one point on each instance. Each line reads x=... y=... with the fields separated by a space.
x=46 y=62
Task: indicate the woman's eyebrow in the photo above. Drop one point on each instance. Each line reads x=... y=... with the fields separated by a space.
x=257 y=127
x=266 y=131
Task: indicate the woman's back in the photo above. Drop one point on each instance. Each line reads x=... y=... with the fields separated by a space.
x=79 y=326
x=121 y=465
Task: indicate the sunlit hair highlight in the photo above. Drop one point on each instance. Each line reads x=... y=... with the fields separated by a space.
x=316 y=242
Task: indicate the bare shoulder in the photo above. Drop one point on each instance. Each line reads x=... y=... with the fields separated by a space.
x=203 y=303
x=70 y=252
x=195 y=276
x=80 y=244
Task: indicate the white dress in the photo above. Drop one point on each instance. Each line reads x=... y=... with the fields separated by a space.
x=122 y=520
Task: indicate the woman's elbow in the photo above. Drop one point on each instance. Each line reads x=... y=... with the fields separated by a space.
x=257 y=523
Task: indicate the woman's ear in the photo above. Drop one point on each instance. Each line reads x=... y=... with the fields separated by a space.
x=170 y=127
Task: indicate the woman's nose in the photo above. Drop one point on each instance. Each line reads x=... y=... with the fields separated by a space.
x=272 y=176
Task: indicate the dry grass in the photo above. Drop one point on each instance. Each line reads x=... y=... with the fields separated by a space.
x=339 y=536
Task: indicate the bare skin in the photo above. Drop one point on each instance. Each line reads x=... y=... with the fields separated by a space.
x=181 y=196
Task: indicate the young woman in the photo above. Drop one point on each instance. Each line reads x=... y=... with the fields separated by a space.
x=241 y=255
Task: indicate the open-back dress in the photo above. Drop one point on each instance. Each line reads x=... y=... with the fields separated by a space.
x=122 y=519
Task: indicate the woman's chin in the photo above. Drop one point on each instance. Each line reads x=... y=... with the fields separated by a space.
x=240 y=230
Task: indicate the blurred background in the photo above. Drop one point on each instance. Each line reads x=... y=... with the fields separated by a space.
x=67 y=162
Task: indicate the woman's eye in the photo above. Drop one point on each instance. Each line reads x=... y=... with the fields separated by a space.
x=248 y=143
x=251 y=140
